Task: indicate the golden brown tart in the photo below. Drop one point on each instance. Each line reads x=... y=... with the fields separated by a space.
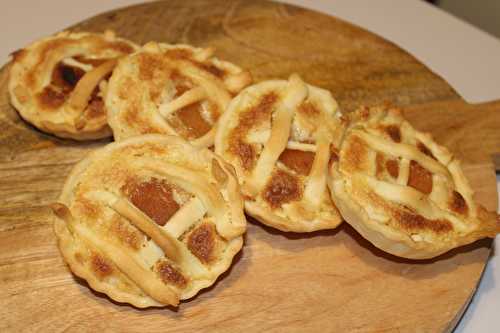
x=58 y=83
x=280 y=136
x=150 y=220
x=402 y=191
x=172 y=89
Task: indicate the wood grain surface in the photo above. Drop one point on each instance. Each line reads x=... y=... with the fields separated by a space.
x=325 y=281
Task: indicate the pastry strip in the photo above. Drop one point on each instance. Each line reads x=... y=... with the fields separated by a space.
x=83 y=90
x=166 y=242
x=127 y=264
x=296 y=92
x=189 y=97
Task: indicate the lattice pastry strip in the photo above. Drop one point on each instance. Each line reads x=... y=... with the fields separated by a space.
x=402 y=191
x=280 y=137
x=150 y=220
x=58 y=83
x=172 y=89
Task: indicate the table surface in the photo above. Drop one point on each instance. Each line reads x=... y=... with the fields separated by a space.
x=447 y=45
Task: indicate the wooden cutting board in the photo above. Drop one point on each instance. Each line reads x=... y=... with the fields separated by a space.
x=324 y=281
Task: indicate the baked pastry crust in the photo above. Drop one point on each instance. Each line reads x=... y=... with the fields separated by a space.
x=58 y=83
x=172 y=89
x=150 y=220
x=402 y=191
x=279 y=135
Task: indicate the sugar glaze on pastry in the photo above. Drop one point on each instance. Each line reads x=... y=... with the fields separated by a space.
x=58 y=83
x=150 y=220
x=402 y=191
x=280 y=136
x=172 y=89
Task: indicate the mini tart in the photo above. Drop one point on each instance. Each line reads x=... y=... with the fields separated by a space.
x=58 y=83
x=403 y=192
x=280 y=136
x=172 y=89
x=150 y=220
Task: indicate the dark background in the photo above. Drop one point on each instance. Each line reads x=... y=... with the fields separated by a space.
x=484 y=14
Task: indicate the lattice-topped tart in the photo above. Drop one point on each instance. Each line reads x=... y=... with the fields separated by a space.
x=172 y=89
x=280 y=136
x=58 y=83
x=402 y=191
x=150 y=220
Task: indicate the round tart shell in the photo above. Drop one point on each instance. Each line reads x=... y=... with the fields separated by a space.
x=93 y=173
x=32 y=76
